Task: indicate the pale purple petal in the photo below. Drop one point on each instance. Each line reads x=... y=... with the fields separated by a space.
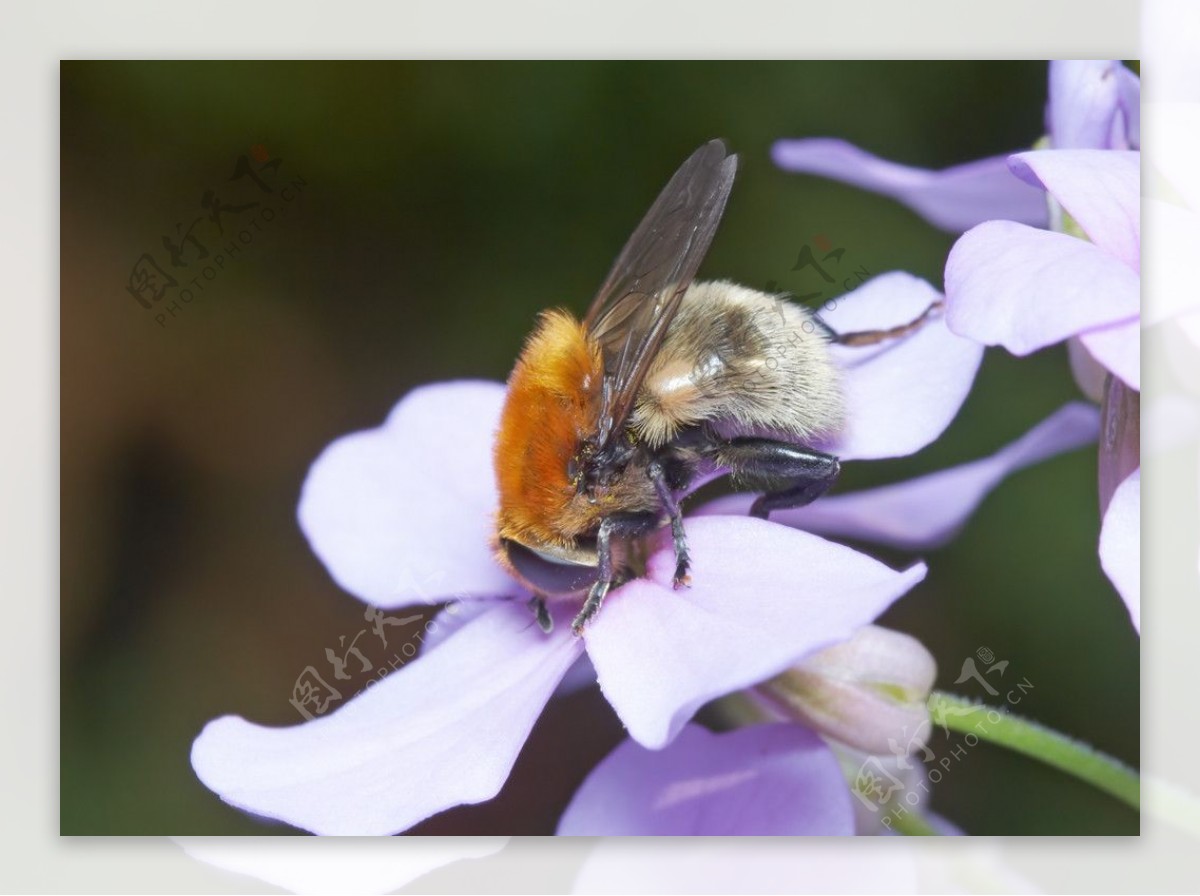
x=764 y=780
x=1129 y=99
x=763 y=596
x=403 y=514
x=954 y=199
x=1093 y=105
x=1012 y=285
x=337 y=864
x=1100 y=189
x=927 y=511
x=439 y=732
x=900 y=395
x=1118 y=347
x=1090 y=375
x=579 y=676
x=1120 y=544
x=457 y=614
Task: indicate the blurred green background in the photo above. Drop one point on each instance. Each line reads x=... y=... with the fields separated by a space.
x=442 y=205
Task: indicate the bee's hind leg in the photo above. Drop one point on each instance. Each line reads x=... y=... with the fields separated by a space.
x=874 y=337
x=659 y=477
x=620 y=525
x=791 y=475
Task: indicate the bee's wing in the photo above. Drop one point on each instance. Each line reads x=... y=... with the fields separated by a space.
x=633 y=309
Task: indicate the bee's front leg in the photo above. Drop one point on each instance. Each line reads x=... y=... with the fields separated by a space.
x=658 y=476
x=620 y=525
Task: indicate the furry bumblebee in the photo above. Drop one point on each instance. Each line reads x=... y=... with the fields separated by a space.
x=608 y=420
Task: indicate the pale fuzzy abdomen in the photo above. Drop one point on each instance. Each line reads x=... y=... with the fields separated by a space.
x=744 y=360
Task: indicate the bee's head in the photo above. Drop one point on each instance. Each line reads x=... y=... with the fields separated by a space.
x=594 y=469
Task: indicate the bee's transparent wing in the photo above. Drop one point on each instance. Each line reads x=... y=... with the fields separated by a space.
x=633 y=309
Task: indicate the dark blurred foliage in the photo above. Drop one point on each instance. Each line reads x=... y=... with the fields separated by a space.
x=442 y=206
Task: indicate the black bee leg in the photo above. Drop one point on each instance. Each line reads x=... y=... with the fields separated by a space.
x=537 y=603
x=791 y=475
x=659 y=477
x=620 y=525
x=874 y=337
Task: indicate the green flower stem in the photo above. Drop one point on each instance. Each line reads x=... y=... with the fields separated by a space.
x=911 y=824
x=1031 y=739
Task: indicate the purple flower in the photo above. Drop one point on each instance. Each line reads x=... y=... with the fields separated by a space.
x=1026 y=287
x=403 y=514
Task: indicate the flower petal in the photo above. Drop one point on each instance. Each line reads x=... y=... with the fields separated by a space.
x=902 y=394
x=763 y=596
x=927 y=511
x=1120 y=544
x=439 y=732
x=340 y=864
x=954 y=199
x=1093 y=105
x=1012 y=285
x=402 y=514
x=1118 y=347
x=457 y=614
x=764 y=780
x=1100 y=189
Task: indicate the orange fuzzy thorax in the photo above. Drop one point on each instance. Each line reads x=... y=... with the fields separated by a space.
x=551 y=406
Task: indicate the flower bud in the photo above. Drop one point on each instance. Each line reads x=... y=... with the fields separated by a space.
x=868 y=692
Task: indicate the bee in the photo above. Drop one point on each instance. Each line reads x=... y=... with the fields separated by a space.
x=609 y=420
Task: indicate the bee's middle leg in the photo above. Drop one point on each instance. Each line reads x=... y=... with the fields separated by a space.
x=790 y=475
x=618 y=525
x=658 y=476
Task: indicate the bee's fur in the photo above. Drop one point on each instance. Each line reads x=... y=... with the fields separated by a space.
x=744 y=361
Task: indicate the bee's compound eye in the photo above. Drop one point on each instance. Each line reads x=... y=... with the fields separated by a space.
x=548 y=572
x=573 y=469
